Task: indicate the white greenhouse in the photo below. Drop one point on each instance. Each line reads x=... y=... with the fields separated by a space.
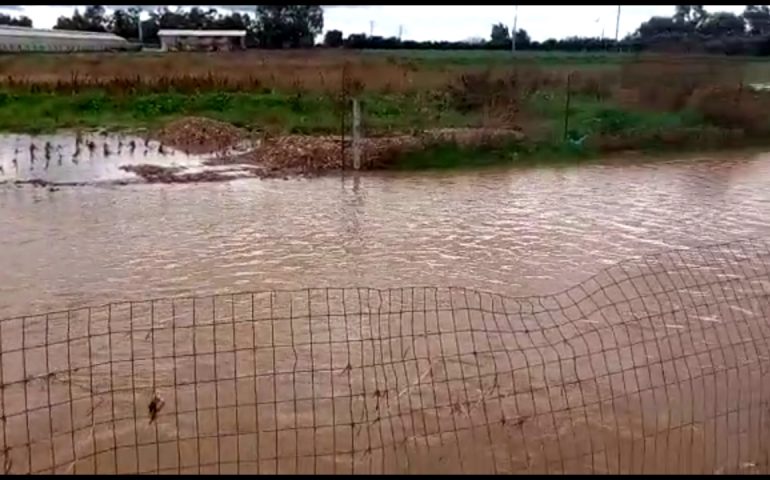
x=25 y=39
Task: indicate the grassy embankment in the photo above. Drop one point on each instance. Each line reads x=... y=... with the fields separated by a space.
x=616 y=102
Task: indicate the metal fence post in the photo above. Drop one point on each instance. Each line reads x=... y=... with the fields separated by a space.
x=356 y=134
x=343 y=111
x=566 y=107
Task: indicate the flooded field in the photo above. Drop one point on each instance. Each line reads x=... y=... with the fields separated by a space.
x=515 y=232
x=388 y=378
x=93 y=159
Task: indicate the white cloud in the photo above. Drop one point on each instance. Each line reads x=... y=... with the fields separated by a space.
x=452 y=22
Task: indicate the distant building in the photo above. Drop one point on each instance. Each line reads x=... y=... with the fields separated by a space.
x=25 y=39
x=474 y=40
x=202 y=40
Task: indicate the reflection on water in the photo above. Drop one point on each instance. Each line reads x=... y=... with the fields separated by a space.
x=514 y=232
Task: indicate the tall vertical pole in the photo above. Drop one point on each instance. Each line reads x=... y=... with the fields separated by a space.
x=371 y=27
x=139 y=24
x=513 y=33
x=617 y=26
x=356 y=134
x=344 y=95
x=568 y=94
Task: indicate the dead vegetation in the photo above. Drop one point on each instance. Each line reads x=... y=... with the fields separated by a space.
x=710 y=89
x=199 y=135
x=667 y=85
x=738 y=108
x=191 y=72
x=309 y=155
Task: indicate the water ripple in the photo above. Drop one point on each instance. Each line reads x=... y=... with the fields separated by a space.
x=516 y=232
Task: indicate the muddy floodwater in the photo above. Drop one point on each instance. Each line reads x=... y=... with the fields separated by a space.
x=512 y=232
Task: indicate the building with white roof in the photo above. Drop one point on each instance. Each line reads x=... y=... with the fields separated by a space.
x=211 y=40
x=25 y=39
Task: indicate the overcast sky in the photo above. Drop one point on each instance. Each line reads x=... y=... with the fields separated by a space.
x=453 y=22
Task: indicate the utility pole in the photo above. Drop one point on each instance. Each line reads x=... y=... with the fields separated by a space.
x=513 y=33
x=400 y=32
x=371 y=27
x=617 y=26
x=139 y=24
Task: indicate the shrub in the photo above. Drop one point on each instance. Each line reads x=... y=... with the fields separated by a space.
x=733 y=108
x=668 y=84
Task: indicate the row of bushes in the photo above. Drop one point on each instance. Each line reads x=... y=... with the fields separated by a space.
x=749 y=45
x=695 y=93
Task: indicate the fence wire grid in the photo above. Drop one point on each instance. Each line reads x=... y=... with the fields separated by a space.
x=654 y=365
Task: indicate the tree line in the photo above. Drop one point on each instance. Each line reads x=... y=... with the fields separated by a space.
x=689 y=29
x=500 y=39
x=15 y=22
x=271 y=26
x=692 y=29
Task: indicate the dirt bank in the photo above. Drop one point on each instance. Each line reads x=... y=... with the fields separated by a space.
x=199 y=135
x=308 y=155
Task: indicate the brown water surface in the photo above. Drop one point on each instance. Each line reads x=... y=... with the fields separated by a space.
x=514 y=232
x=668 y=379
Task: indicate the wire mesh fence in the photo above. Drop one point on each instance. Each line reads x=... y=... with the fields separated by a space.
x=655 y=365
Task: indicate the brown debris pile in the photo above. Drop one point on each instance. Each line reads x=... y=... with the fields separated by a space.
x=291 y=154
x=199 y=135
x=157 y=174
x=304 y=154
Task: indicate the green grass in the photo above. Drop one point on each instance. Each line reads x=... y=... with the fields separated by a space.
x=757 y=69
x=284 y=113
x=589 y=119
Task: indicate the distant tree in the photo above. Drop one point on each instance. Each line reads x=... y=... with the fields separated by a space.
x=522 y=39
x=757 y=18
x=93 y=19
x=333 y=39
x=15 y=22
x=474 y=41
x=75 y=22
x=234 y=21
x=722 y=24
x=288 y=25
x=500 y=34
x=689 y=14
x=356 y=40
x=198 y=19
x=96 y=18
x=662 y=26
x=172 y=19
x=124 y=23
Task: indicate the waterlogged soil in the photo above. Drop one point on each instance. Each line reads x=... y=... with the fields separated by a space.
x=78 y=159
x=312 y=155
x=197 y=150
